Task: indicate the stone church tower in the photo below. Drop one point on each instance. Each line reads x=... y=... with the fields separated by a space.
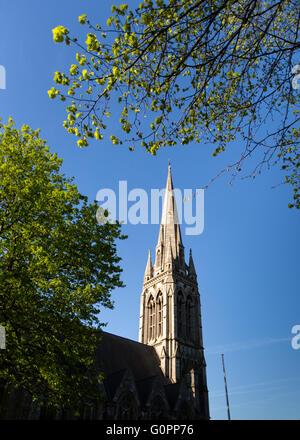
x=170 y=312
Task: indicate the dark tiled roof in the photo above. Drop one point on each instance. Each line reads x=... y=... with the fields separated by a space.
x=116 y=353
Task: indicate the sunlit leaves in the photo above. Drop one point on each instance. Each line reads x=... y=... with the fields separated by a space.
x=92 y=42
x=58 y=33
x=82 y=18
x=190 y=71
x=52 y=93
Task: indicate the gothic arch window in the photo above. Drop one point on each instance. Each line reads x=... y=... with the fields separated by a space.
x=151 y=315
x=159 y=312
x=158 y=409
x=189 y=317
x=180 y=304
x=126 y=407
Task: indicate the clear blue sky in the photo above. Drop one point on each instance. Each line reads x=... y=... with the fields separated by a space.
x=247 y=257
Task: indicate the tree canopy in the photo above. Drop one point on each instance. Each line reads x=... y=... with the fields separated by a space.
x=187 y=71
x=58 y=267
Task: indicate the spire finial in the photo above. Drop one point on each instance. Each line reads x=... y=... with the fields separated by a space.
x=192 y=270
x=169 y=163
x=148 y=271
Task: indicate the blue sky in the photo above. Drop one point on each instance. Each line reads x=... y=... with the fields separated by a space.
x=247 y=258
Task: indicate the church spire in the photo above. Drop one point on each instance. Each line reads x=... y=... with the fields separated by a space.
x=191 y=268
x=169 y=232
x=149 y=269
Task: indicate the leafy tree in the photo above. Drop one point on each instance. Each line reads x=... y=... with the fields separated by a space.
x=200 y=71
x=57 y=267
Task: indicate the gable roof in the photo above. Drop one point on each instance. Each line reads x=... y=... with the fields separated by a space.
x=116 y=353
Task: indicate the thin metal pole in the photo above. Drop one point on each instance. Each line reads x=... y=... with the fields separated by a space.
x=226 y=391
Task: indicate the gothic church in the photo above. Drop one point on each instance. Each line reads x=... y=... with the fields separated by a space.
x=163 y=376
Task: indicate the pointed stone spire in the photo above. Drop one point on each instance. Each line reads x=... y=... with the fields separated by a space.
x=149 y=269
x=169 y=232
x=191 y=270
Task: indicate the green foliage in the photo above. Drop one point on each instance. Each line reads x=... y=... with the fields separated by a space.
x=60 y=34
x=58 y=266
x=199 y=71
